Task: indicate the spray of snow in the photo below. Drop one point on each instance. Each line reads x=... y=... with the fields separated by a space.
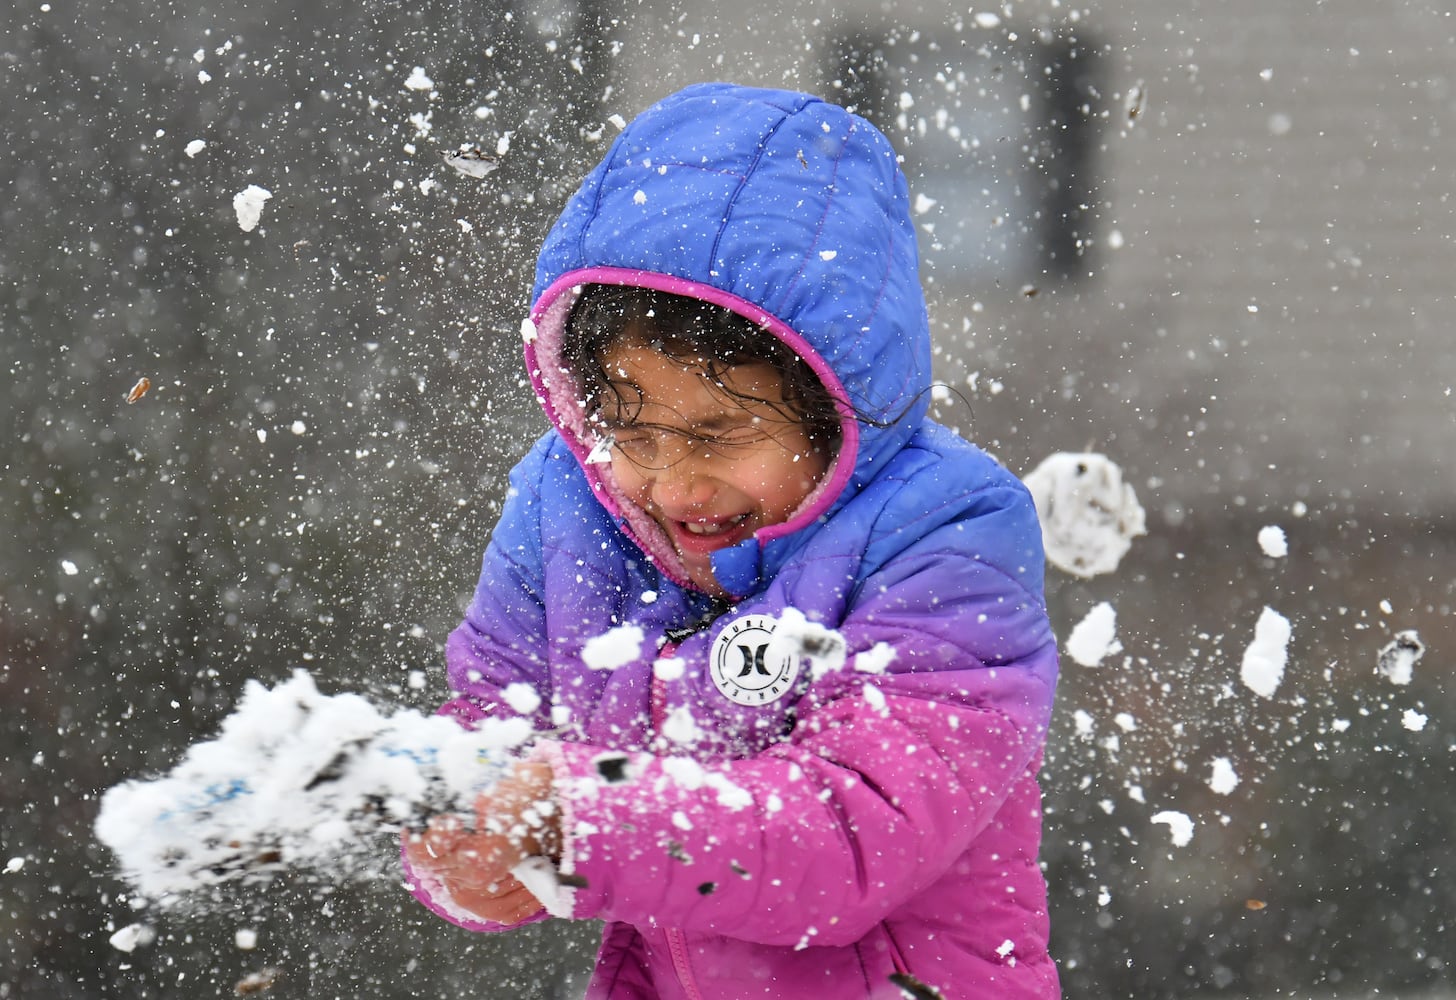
x=248 y=204
x=297 y=779
x=1398 y=658
x=1095 y=636
x=1266 y=657
x=1089 y=516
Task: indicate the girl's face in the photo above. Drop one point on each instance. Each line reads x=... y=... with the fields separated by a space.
x=710 y=461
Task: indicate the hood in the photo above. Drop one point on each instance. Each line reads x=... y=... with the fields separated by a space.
x=781 y=207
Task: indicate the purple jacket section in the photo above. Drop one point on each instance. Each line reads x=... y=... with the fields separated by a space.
x=875 y=822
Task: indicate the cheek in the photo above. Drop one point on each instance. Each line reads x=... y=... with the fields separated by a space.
x=630 y=479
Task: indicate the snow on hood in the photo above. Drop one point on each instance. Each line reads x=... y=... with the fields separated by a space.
x=781 y=207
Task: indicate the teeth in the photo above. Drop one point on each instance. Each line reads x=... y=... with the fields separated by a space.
x=697 y=528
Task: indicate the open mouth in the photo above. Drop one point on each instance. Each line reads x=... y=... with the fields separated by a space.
x=701 y=536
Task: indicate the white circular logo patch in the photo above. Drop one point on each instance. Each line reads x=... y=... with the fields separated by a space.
x=743 y=666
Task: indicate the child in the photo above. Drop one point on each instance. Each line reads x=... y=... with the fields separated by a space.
x=785 y=633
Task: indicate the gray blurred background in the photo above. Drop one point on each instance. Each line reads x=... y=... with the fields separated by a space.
x=1212 y=241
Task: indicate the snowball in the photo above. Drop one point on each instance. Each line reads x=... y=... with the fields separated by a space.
x=1089 y=516
x=1095 y=636
x=1223 y=780
x=1398 y=658
x=1179 y=826
x=1413 y=720
x=1266 y=656
x=1273 y=542
x=194 y=147
x=248 y=204
x=613 y=649
x=14 y=865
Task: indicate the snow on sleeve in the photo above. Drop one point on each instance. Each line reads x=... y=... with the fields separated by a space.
x=248 y=204
x=1398 y=658
x=1095 y=636
x=1089 y=516
x=1180 y=826
x=296 y=778
x=1266 y=657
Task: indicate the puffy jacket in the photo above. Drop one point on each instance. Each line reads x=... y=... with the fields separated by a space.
x=852 y=817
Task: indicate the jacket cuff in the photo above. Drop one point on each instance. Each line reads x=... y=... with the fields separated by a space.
x=436 y=898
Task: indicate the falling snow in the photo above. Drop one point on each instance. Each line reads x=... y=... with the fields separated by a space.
x=1265 y=658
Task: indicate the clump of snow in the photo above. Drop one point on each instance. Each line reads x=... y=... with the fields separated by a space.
x=14 y=865
x=523 y=698
x=680 y=727
x=1398 y=658
x=194 y=147
x=1224 y=779
x=1179 y=826
x=1089 y=516
x=248 y=204
x=613 y=648
x=419 y=80
x=876 y=659
x=1266 y=657
x=296 y=779
x=471 y=161
x=133 y=936
x=1413 y=720
x=1095 y=636
x=246 y=938
x=823 y=649
x=1273 y=542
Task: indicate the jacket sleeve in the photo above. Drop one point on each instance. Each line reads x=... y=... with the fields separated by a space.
x=881 y=786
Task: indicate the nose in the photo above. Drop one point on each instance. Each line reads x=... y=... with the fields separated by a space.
x=681 y=486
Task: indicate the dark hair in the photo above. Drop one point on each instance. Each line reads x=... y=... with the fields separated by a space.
x=695 y=333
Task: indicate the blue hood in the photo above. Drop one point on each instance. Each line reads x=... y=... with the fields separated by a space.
x=780 y=206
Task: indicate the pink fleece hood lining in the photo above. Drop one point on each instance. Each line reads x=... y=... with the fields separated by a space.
x=557 y=391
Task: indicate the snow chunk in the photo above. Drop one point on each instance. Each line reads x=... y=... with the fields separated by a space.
x=1223 y=780
x=613 y=649
x=1095 y=636
x=246 y=938
x=132 y=937
x=248 y=204
x=1179 y=826
x=194 y=147
x=523 y=698
x=822 y=648
x=923 y=204
x=1084 y=723
x=14 y=865
x=618 y=122
x=640 y=198
x=1273 y=542
x=1266 y=656
x=1089 y=516
x=1413 y=720
x=876 y=659
x=1398 y=658
x=828 y=255
x=680 y=727
x=470 y=161
x=987 y=19
x=419 y=80
x=670 y=669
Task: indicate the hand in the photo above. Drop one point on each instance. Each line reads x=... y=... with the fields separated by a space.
x=516 y=819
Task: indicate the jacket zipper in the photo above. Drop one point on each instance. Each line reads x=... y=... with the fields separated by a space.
x=676 y=941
